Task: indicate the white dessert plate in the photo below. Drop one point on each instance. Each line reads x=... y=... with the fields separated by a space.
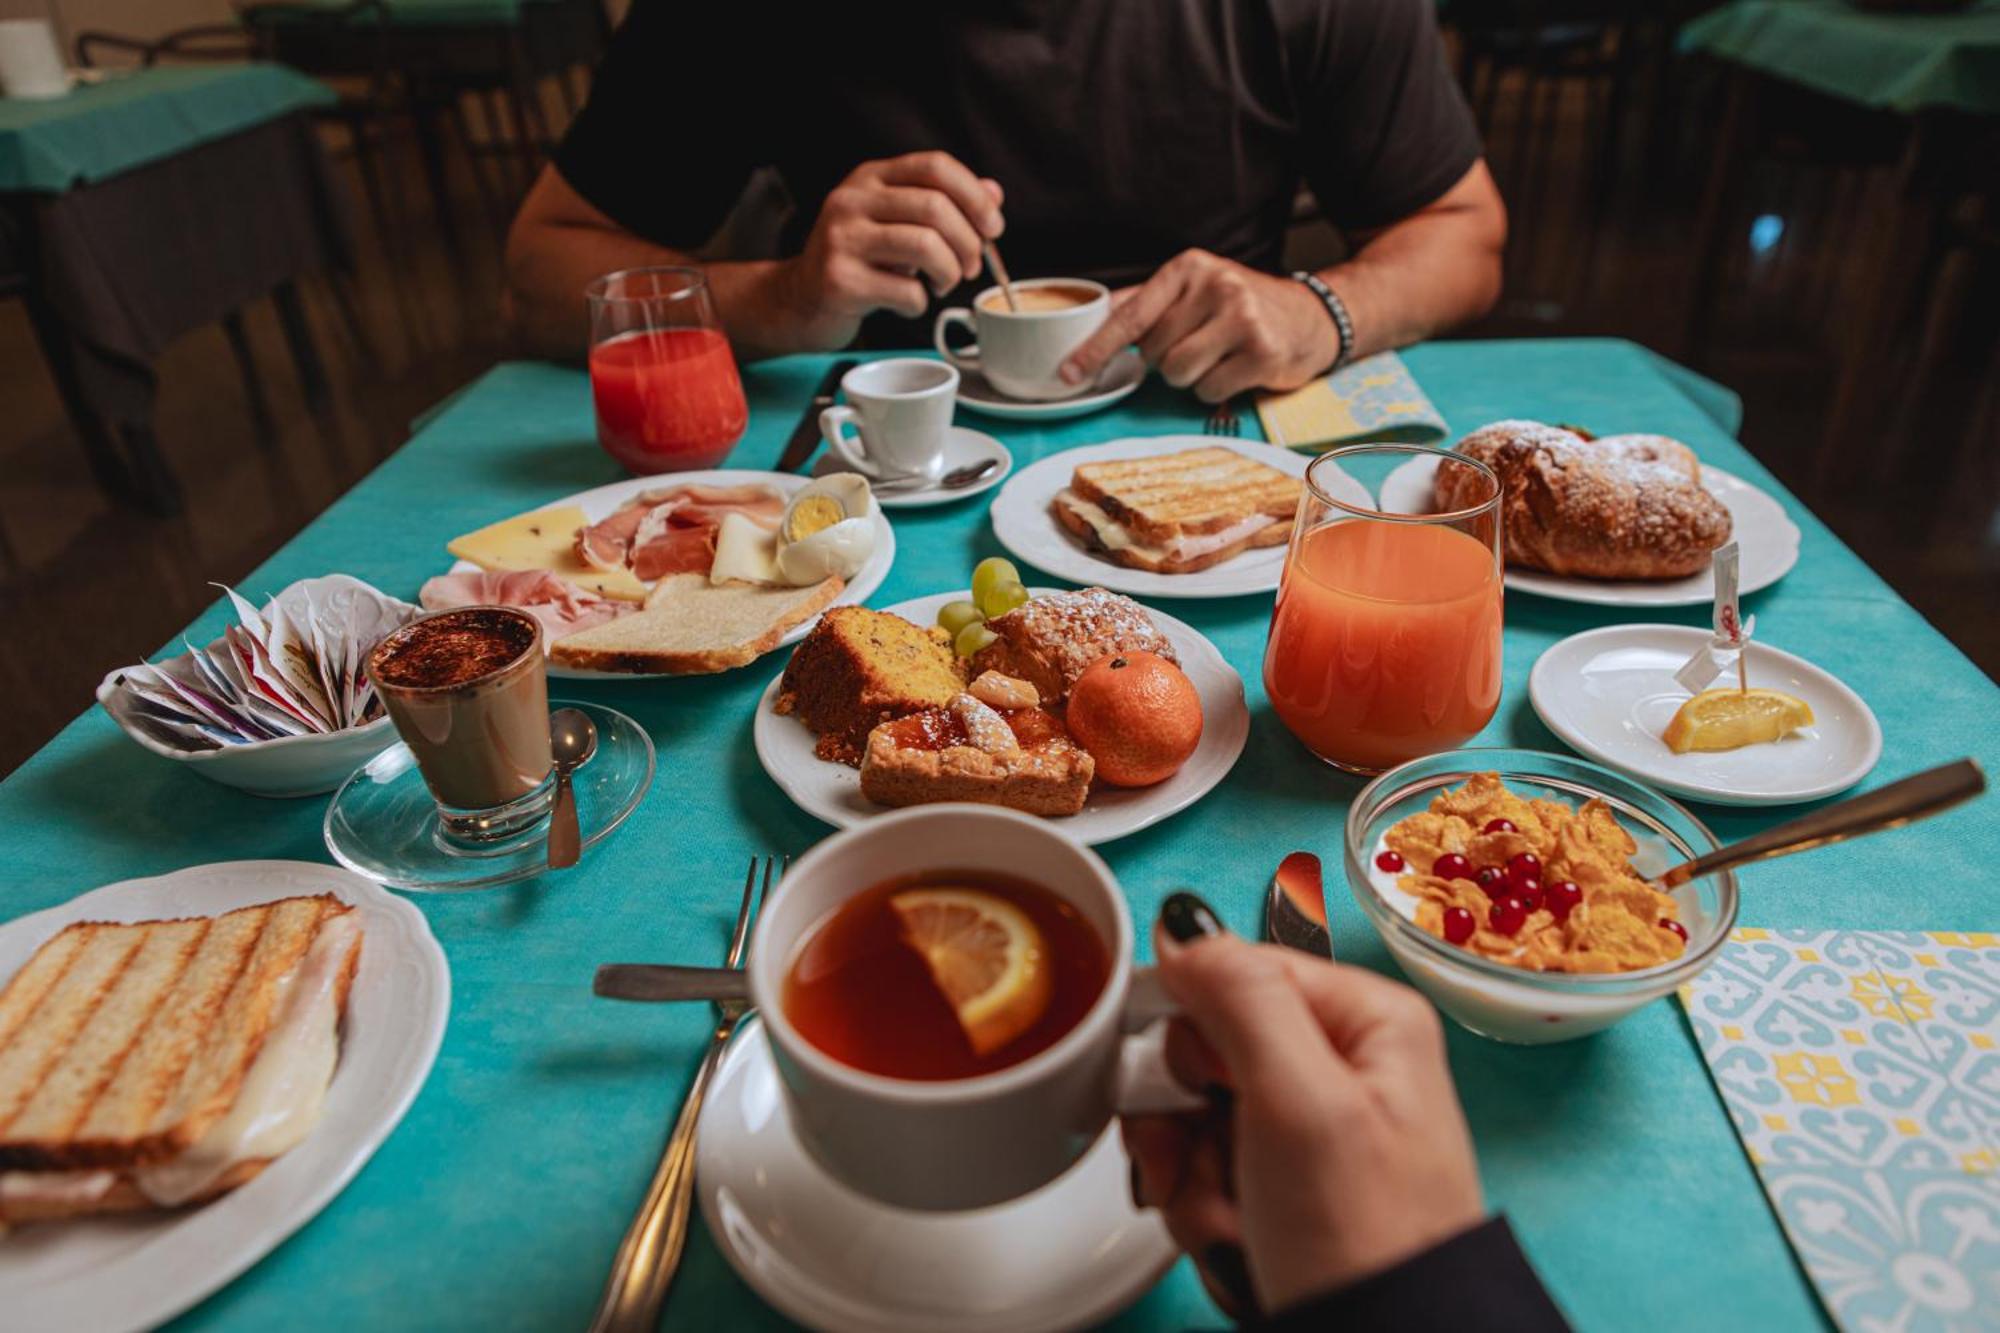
x=1609 y=693
x=963 y=447
x=1121 y=376
x=1070 y=1255
x=115 y=1273
x=832 y=792
x=1766 y=537
x=600 y=503
x=1022 y=521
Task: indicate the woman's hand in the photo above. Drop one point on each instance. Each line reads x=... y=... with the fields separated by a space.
x=1338 y=1148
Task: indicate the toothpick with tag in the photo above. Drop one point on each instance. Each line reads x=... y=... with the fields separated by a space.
x=1732 y=632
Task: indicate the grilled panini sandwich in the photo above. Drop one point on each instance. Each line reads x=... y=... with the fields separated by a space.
x=161 y=1063
x=1178 y=513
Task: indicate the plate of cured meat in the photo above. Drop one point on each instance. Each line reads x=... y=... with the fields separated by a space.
x=687 y=574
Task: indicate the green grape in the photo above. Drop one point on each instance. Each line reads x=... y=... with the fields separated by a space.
x=974 y=637
x=1002 y=597
x=993 y=569
x=955 y=616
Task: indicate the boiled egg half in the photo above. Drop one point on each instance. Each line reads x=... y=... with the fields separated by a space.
x=828 y=529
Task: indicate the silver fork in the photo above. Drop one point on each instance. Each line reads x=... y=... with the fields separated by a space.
x=1223 y=420
x=650 y=1254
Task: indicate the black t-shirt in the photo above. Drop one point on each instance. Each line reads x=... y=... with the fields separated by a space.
x=1123 y=131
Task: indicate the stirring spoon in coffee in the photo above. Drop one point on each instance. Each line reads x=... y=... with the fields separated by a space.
x=1000 y=272
x=572 y=740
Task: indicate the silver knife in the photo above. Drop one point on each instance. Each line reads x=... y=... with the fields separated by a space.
x=1295 y=907
x=805 y=435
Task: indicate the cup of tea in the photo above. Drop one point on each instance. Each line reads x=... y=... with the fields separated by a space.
x=907 y=1099
x=902 y=408
x=468 y=691
x=1019 y=349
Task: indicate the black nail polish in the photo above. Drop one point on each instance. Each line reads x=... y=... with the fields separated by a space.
x=1187 y=917
x=1138 y=1189
x=1226 y=1264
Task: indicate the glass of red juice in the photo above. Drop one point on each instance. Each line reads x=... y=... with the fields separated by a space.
x=662 y=375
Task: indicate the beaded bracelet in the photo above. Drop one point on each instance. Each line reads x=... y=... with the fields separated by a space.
x=1343 y=323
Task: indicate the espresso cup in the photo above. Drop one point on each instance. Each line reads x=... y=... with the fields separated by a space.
x=1018 y=351
x=902 y=408
x=963 y=1143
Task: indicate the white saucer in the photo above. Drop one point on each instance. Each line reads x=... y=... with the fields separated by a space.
x=963 y=447
x=1121 y=375
x=1070 y=1255
x=1610 y=692
x=831 y=791
x=1767 y=539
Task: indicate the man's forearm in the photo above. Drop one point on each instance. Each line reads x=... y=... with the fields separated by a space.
x=1419 y=278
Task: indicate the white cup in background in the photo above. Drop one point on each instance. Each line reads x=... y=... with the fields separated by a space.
x=971 y=1142
x=31 y=62
x=902 y=408
x=1018 y=351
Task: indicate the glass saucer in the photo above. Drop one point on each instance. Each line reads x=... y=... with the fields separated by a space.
x=382 y=823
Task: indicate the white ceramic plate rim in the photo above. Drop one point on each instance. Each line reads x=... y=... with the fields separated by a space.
x=1543 y=682
x=1765 y=532
x=599 y=502
x=1024 y=525
x=970 y=446
x=158 y=1265
x=818 y=786
x=1124 y=373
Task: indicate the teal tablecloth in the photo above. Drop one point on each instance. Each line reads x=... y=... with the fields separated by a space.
x=420 y=13
x=128 y=120
x=499 y=1201
x=1901 y=62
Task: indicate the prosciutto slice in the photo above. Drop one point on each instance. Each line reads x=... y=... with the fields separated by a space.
x=561 y=606
x=671 y=529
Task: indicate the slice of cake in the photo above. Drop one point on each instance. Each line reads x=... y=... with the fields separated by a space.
x=1049 y=640
x=967 y=751
x=859 y=668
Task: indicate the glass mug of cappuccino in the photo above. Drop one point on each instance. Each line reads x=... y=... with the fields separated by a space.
x=1018 y=351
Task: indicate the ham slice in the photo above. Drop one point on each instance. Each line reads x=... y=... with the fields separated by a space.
x=671 y=529
x=561 y=606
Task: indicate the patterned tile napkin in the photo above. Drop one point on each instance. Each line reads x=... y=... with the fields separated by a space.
x=1373 y=399
x=1862 y=1071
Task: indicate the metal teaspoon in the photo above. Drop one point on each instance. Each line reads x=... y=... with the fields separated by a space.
x=572 y=740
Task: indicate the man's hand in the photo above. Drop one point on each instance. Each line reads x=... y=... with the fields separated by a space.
x=1214 y=325
x=886 y=233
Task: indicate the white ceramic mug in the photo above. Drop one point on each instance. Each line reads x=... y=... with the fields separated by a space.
x=902 y=407
x=1018 y=351
x=972 y=1142
x=31 y=62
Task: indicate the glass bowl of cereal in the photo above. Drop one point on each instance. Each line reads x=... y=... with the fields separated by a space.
x=1513 y=887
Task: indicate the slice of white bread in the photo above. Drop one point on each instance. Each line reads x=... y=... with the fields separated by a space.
x=693 y=627
x=122 y=1044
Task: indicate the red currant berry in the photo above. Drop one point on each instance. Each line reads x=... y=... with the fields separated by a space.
x=1492 y=879
x=1499 y=826
x=1389 y=862
x=1561 y=896
x=1529 y=891
x=1508 y=916
x=1452 y=866
x=1458 y=925
x=1524 y=863
x=1669 y=923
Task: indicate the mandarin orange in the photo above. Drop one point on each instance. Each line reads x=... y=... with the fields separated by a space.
x=1138 y=715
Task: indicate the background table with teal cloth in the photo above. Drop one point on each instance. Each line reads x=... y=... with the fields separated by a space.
x=499 y=1201
x=1900 y=62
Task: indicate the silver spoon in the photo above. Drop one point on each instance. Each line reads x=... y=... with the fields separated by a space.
x=572 y=740
x=956 y=479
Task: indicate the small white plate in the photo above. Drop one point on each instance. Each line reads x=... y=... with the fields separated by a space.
x=1121 y=375
x=1767 y=539
x=1026 y=527
x=832 y=791
x=116 y=1273
x=600 y=503
x=1070 y=1255
x=962 y=448
x=1609 y=693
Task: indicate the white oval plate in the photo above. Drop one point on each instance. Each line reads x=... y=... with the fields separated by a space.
x=601 y=502
x=1766 y=537
x=1022 y=521
x=116 y=1273
x=1069 y=1255
x=1609 y=693
x=832 y=791
x=1120 y=378
x=963 y=447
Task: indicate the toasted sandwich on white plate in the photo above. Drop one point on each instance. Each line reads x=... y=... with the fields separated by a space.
x=1178 y=513
x=158 y=1064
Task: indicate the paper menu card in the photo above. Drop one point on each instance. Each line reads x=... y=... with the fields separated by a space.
x=1862 y=1072
x=1375 y=398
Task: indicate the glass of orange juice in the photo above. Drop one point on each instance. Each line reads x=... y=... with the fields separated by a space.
x=1385 y=642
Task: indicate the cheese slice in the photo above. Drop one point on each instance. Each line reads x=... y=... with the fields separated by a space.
x=545 y=539
x=744 y=551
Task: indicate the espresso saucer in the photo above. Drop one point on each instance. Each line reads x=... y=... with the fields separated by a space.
x=963 y=447
x=1070 y=1255
x=383 y=824
x=1121 y=376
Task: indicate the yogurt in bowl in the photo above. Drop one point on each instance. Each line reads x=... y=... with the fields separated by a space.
x=1499 y=999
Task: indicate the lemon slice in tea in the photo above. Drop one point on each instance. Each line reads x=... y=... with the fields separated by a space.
x=1730 y=719
x=984 y=954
